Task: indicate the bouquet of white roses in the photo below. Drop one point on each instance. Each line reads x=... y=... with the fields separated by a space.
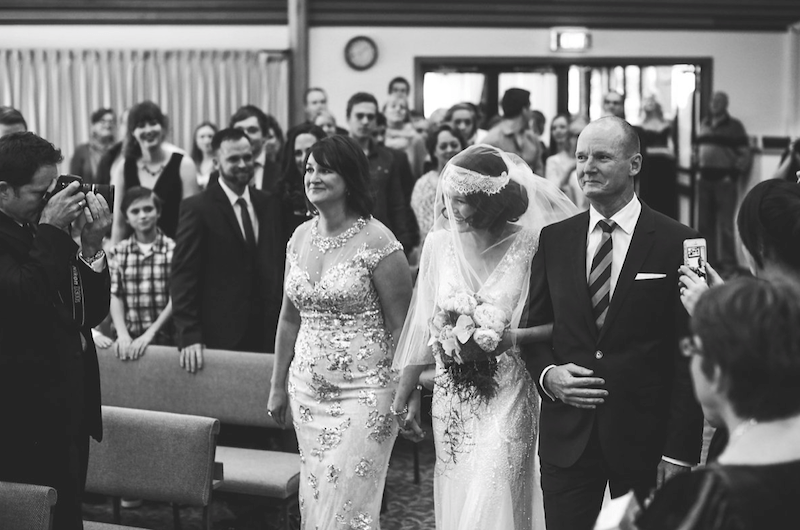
x=466 y=331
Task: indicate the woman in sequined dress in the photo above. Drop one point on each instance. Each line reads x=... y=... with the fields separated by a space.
x=490 y=211
x=347 y=290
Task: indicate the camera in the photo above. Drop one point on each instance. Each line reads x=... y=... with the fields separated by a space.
x=106 y=190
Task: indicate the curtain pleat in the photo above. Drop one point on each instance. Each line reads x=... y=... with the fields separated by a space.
x=57 y=90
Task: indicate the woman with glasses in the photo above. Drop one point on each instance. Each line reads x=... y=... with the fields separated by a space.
x=745 y=364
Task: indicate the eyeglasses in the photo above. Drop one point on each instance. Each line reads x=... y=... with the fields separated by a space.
x=689 y=347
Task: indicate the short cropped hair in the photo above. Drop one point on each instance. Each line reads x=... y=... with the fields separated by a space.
x=360 y=97
x=749 y=330
x=138 y=192
x=227 y=135
x=402 y=81
x=22 y=154
x=343 y=155
x=266 y=122
x=99 y=114
x=11 y=116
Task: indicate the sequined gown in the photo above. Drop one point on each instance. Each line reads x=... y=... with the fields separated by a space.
x=340 y=381
x=485 y=451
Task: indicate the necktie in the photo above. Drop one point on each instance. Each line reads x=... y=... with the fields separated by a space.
x=600 y=274
x=247 y=223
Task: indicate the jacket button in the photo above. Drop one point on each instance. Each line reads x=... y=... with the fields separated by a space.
x=598 y=354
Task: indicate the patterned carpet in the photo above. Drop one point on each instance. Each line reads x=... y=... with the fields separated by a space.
x=408 y=505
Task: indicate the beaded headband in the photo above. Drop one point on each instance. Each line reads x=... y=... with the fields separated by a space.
x=466 y=181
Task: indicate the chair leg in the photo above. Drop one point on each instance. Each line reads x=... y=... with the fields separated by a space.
x=176 y=516
x=116 y=503
x=416 y=464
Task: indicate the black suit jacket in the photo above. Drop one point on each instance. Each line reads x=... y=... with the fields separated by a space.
x=651 y=410
x=49 y=388
x=391 y=176
x=217 y=287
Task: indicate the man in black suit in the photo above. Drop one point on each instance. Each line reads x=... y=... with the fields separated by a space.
x=617 y=407
x=51 y=295
x=227 y=268
x=390 y=172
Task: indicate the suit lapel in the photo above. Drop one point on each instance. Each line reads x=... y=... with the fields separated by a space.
x=577 y=251
x=641 y=242
x=226 y=209
x=19 y=238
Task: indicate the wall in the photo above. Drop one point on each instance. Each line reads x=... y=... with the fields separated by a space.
x=751 y=67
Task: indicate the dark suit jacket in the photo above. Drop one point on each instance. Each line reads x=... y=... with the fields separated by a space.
x=49 y=389
x=650 y=410
x=390 y=173
x=217 y=288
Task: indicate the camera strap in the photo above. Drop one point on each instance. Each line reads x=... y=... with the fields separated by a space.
x=76 y=288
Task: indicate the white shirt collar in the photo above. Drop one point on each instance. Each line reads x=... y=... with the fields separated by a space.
x=626 y=218
x=261 y=159
x=232 y=194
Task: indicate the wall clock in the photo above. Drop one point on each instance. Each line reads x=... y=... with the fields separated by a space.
x=361 y=53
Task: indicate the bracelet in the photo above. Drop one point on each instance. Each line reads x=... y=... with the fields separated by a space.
x=401 y=413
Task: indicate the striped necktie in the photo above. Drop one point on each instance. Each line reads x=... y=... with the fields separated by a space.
x=600 y=274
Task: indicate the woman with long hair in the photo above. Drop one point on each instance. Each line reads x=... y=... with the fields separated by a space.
x=202 y=154
x=147 y=163
x=299 y=140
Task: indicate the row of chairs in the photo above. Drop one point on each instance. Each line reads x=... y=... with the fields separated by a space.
x=158 y=418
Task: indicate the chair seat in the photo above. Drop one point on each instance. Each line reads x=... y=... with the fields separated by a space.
x=263 y=473
x=92 y=525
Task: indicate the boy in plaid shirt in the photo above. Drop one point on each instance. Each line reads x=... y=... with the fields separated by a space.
x=140 y=268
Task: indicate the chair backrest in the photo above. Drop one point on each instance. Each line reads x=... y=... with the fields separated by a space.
x=155 y=456
x=232 y=386
x=26 y=506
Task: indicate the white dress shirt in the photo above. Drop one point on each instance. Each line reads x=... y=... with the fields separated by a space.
x=236 y=208
x=258 y=174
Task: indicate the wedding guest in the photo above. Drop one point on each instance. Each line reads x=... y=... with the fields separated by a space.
x=464 y=117
x=745 y=367
x=87 y=156
x=402 y=136
x=769 y=227
x=444 y=143
x=513 y=133
x=11 y=121
x=140 y=266
x=347 y=290
x=399 y=86
x=560 y=166
x=326 y=122
x=299 y=140
x=149 y=164
x=202 y=154
x=658 y=186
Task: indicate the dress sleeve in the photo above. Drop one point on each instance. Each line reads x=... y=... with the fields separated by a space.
x=376 y=255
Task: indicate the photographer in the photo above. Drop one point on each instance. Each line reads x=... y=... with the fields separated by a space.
x=51 y=294
x=789 y=168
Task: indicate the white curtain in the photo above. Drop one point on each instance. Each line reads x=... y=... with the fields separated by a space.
x=57 y=90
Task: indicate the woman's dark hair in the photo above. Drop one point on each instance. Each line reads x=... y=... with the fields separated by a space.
x=448 y=117
x=291 y=179
x=197 y=154
x=343 y=155
x=553 y=147
x=749 y=330
x=433 y=139
x=769 y=223
x=492 y=211
x=139 y=115
x=138 y=192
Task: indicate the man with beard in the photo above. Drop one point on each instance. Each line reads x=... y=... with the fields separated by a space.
x=227 y=269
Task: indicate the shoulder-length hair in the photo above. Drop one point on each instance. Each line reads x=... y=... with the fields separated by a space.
x=343 y=155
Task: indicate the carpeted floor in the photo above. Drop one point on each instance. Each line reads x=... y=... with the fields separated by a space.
x=408 y=505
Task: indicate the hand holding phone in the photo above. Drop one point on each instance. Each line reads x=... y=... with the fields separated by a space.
x=695 y=254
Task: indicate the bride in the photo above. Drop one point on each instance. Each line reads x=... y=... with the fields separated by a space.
x=464 y=318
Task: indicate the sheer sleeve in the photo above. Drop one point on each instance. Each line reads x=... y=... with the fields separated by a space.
x=412 y=347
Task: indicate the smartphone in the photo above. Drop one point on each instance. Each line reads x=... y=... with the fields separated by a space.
x=695 y=255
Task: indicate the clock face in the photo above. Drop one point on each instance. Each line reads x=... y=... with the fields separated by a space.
x=361 y=53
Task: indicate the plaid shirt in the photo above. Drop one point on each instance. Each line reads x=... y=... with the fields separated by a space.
x=141 y=281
